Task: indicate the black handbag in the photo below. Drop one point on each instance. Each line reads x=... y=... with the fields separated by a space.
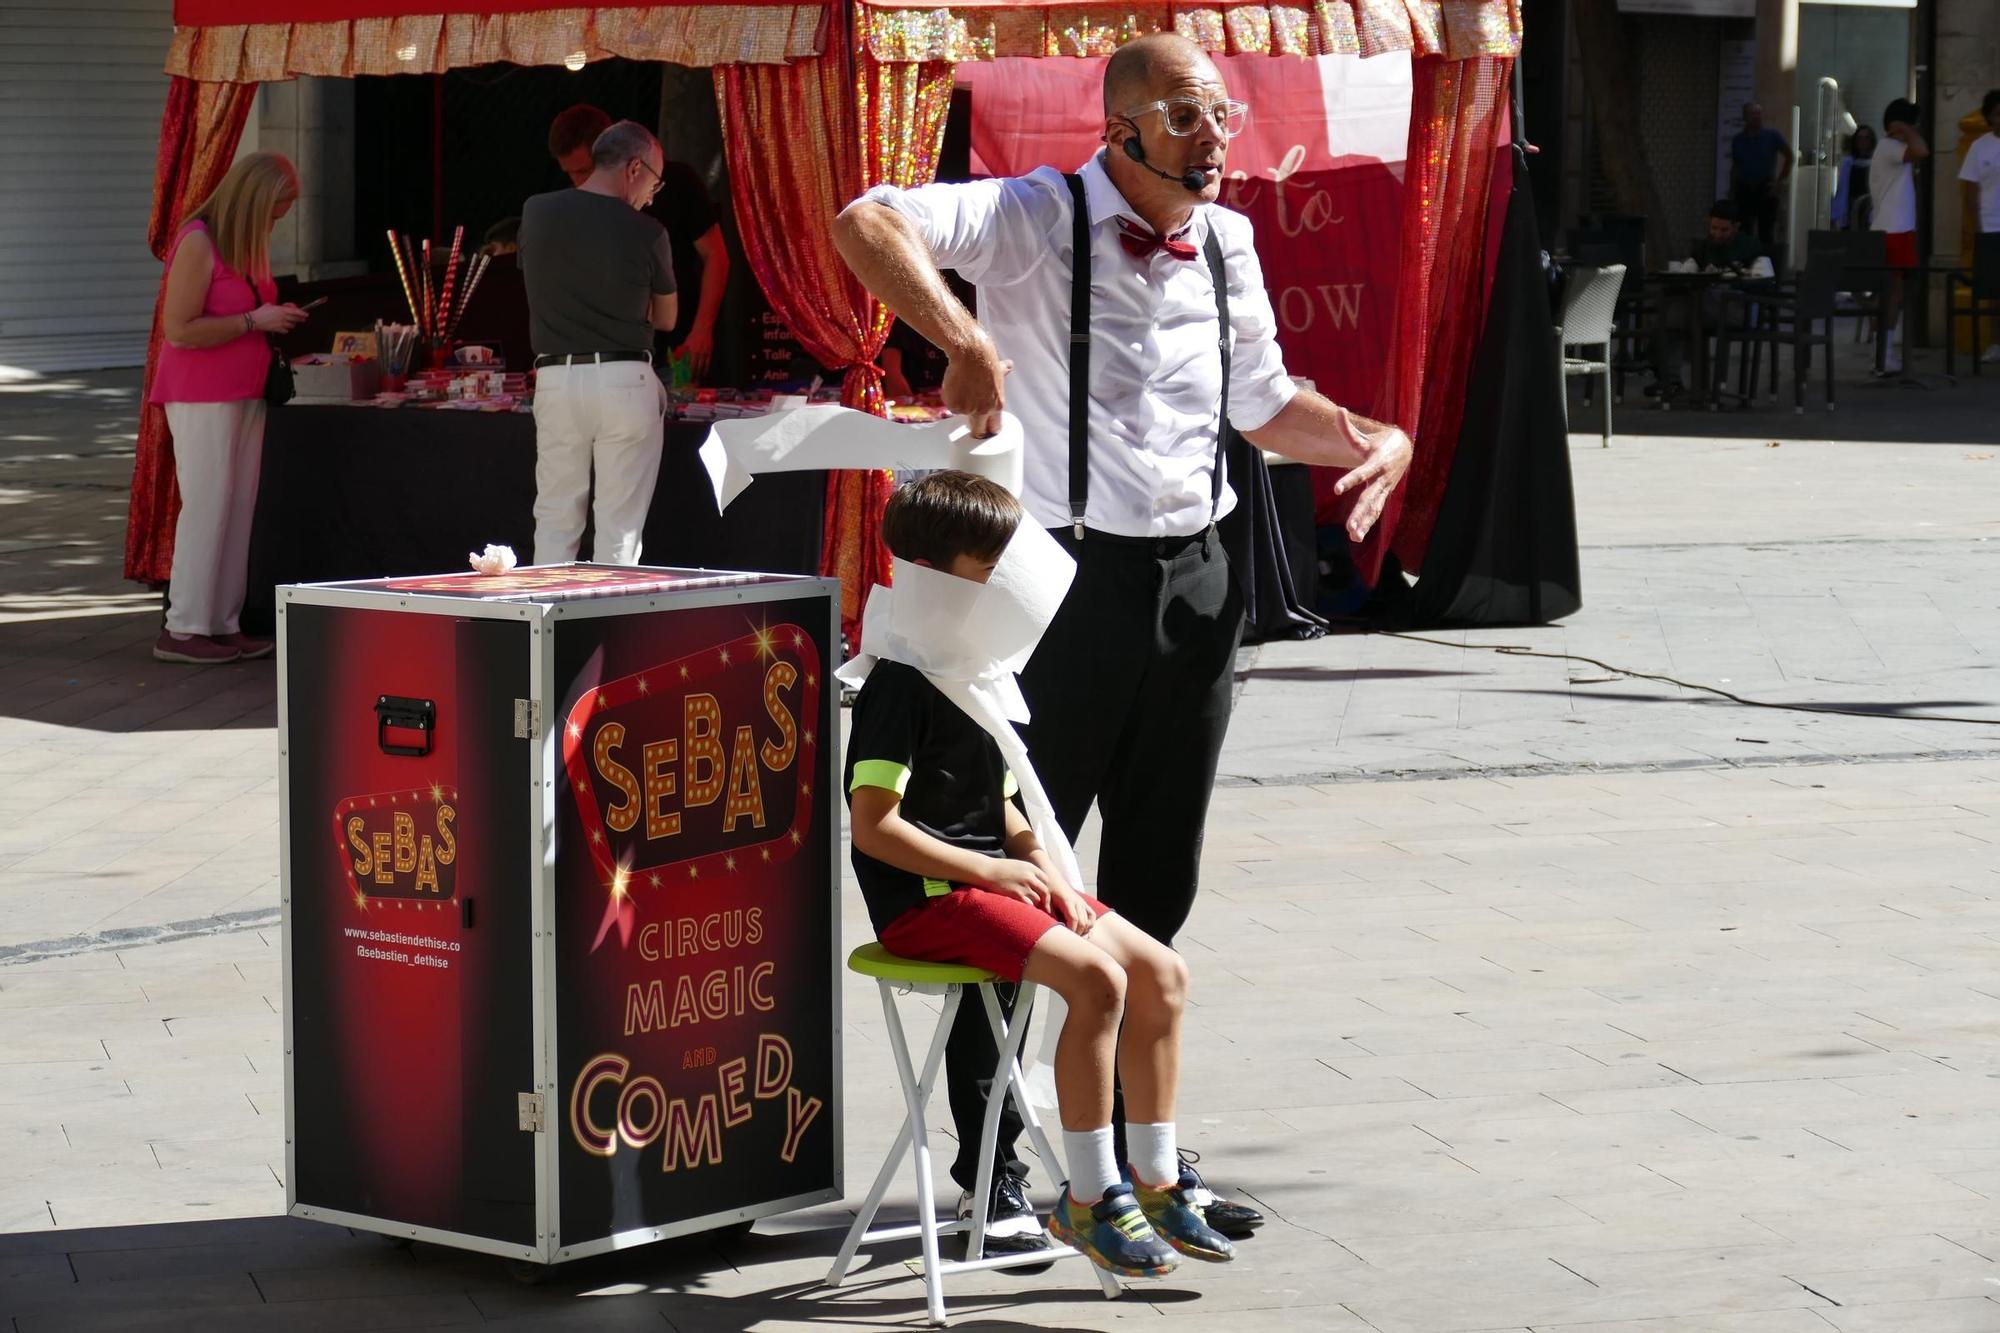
x=278 y=386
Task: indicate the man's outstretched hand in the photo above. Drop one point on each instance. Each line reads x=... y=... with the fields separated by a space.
x=1388 y=459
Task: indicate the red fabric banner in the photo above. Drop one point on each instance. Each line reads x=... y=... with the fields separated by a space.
x=801 y=140
x=228 y=13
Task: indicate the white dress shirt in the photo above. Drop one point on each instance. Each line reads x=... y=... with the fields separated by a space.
x=1155 y=371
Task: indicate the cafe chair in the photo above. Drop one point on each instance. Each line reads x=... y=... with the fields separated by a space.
x=1590 y=309
x=1617 y=239
x=893 y=974
x=1865 y=264
x=1982 y=289
x=1796 y=315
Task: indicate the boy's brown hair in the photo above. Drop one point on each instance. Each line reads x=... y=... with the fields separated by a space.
x=948 y=514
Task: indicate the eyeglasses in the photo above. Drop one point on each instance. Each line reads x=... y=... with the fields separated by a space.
x=658 y=179
x=1184 y=115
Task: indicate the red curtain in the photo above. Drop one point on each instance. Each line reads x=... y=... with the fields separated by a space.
x=1458 y=127
x=198 y=137
x=802 y=140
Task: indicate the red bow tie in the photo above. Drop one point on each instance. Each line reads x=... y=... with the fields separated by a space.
x=1141 y=243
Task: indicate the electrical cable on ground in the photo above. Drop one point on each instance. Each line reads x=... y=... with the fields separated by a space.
x=1523 y=650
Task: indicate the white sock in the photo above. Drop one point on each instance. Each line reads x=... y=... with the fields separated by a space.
x=1093 y=1169
x=1154 y=1161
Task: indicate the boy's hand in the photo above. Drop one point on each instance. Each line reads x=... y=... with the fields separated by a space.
x=1020 y=881
x=1069 y=905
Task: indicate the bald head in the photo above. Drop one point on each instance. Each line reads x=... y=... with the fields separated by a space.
x=1142 y=69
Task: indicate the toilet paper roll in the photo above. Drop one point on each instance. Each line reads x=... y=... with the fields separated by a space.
x=813 y=438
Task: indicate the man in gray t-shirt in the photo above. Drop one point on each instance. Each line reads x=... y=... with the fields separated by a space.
x=600 y=280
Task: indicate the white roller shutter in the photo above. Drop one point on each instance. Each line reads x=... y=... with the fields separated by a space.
x=81 y=91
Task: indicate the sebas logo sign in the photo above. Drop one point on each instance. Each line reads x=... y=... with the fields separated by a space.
x=695 y=769
x=400 y=845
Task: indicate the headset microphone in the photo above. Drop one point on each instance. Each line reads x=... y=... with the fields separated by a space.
x=1194 y=182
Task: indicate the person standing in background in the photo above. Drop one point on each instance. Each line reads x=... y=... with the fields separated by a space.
x=1759 y=162
x=1893 y=186
x=215 y=317
x=701 y=255
x=1980 y=174
x=600 y=279
x=1852 y=205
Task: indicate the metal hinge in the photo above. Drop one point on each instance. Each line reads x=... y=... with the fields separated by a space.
x=531 y=1112
x=527 y=719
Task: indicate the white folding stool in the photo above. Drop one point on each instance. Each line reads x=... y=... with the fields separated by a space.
x=891 y=974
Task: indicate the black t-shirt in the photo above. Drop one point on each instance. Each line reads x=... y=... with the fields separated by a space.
x=682 y=207
x=592 y=264
x=909 y=738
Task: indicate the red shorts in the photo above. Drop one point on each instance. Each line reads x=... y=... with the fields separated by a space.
x=974 y=927
x=1901 y=248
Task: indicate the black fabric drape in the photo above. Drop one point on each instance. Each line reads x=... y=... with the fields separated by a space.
x=1255 y=537
x=362 y=493
x=1504 y=548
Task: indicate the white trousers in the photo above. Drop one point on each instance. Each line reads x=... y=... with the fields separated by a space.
x=607 y=415
x=218 y=452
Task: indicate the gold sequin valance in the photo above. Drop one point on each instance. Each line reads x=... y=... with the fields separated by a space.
x=696 y=35
x=982 y=30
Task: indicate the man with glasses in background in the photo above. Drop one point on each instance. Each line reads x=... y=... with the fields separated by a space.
x=1130 y=688
x=600 y=280
x=701 y=255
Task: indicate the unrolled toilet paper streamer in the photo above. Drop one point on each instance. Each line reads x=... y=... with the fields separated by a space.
x=969 y=639
x=807 y=439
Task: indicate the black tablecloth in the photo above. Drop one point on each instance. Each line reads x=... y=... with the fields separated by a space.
x=359 y=493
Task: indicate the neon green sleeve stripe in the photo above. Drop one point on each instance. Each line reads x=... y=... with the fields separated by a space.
x=1010 y=788
x=884 y=773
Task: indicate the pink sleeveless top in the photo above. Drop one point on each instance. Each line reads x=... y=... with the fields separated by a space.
x=227 y=372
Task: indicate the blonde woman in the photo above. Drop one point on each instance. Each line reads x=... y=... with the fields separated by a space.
x=210 y=380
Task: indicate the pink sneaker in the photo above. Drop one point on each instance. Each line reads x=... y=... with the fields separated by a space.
x=247 y=648
x=194 y=649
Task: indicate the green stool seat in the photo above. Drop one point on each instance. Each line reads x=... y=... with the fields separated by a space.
x=872 y=960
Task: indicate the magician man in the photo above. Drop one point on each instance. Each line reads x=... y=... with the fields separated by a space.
x=1130 y=688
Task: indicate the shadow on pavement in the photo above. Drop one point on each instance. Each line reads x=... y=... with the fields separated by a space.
x=303 y=1277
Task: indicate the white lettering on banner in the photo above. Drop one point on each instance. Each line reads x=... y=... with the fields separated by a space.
x=1341 y=301
x=1315 y=214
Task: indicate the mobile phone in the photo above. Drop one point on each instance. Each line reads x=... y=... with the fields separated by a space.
x=314 y=304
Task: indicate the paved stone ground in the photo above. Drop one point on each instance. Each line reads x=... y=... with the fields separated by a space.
x=1529 y=994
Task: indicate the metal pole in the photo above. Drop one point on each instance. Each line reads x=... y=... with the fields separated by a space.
x=1793 y=232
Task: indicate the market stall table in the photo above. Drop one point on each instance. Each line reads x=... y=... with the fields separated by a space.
x=356 y=492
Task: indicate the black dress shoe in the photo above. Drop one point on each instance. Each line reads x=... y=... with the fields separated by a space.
x=1237 y=1221
x=1012 y=1225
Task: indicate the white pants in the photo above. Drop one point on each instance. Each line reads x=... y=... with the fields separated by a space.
x=607 y=414
x=218 y=452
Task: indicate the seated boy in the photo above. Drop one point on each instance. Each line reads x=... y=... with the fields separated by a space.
x=953 y=873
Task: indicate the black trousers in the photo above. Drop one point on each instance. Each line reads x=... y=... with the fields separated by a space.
x=1758 y=209
x=1130 y=693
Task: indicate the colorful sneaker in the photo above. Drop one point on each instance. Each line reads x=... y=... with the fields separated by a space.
x=1180 y=1224
x=194 y=649
x=1112 y=1233
x=247 y=648
x=1238 y=1221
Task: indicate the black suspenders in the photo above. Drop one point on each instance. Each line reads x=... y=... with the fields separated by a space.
x=1079 y=359
x=1079 y=356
